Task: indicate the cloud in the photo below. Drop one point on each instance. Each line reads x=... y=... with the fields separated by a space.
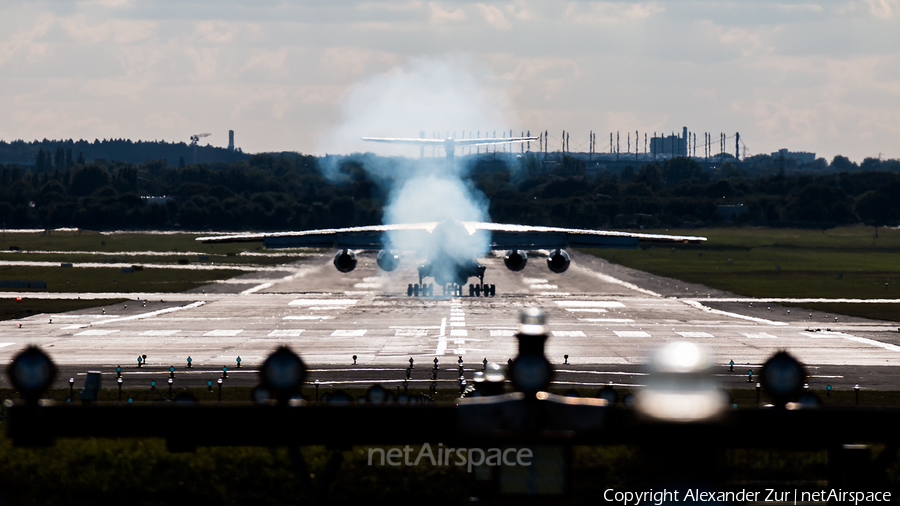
x=883 y=8
x=494 y=17
x=26 y=41
x=119 y=31
x=439 y=15
x=611 y=12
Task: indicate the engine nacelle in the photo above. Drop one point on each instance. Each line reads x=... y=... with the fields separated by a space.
x=387 y=260
x=345 y=260
x=515 y=260
x=558 y=261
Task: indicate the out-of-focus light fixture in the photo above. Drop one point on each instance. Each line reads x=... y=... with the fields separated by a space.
x=31 y=372
x=680 y=386
x=283 y=373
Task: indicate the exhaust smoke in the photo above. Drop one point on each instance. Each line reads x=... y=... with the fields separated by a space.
x=427 y=95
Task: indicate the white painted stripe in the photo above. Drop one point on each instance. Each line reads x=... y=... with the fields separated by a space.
x=529 y=281
x=349 y=333
x=558 y=294
x=457 y=318
x=694 y=334
x=315 y=317
x=6 y=344
x=503 y=333
x=568 y=333
x=585 y=310
x=805 y=301
x=631 y=333
x=607 y=320
x=459 y=333
x=73 y=327
x=326 y=308
x=694 y=303
x=863 y=340
x=589 y=303
x=322 y=302
x=285 y=333
x=96 y=332
x=609 y=279
x=760 y=335
x=544 y=287
x=223 y=333
x=150 y=314
x=458 y=324
x=159 y=332
x=442 y=339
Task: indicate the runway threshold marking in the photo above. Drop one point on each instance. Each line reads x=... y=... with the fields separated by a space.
x=161 y=333
x=760 y=335
x=568 y=333
x=285 y=333
x=349 y=333
x=96 y=332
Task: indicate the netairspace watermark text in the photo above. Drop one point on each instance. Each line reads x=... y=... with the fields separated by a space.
x=659 y=497
x=441 y=456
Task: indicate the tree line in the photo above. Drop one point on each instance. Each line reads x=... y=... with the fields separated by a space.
x=288 y=191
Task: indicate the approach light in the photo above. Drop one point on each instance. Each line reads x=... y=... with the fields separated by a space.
x=376 y=394
x=209 y=385
x=31 y=372
x=567 y=359
x=238 y=360
x=18 y=299
x=118 y=371
x=783 y=377
x=189 y=362
x=828 y=390
x=731 y=365
x=354 y=359
x=152 y=385
x=282 y=373
x=531 y=372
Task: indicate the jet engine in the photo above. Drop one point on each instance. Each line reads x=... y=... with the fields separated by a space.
x=387 y=260
x=558 y=261
x=515 y=260
x=345 y=260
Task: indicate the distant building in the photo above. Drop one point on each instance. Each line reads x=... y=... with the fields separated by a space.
x=802 y=157
x=672 y=145
x=231 y=140
x=156 y=199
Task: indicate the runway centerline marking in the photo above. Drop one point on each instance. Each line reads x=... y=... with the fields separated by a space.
x=96 y=332
x=631 y=333
x=588 y=303
x=285 y=333
x=349 y=333
x=698 y=305
x=760 y=335
x=223 y=333
x=567 y=333
x=442 y=339
x=694 y=335
x=323 y=302
x=162 y=333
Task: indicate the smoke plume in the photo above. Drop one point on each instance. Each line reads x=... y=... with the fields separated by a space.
x=447 y=96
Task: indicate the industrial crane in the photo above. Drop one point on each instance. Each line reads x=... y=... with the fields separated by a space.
x=194 y=140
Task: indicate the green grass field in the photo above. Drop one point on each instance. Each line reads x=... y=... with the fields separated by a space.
x=845 y=262
x=100 y=280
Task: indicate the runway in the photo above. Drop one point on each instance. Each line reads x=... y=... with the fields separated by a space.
x=606 y=318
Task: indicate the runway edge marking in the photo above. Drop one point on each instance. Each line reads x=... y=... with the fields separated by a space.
x=694 y=303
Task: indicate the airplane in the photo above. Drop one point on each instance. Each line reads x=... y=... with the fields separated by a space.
x=448 y=245
x=449 y=144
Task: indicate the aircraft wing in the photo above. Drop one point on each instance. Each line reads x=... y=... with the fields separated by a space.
x=525 y=237
x=456 y=142
x=350 y=238
x=495 y=140
x=411 y=142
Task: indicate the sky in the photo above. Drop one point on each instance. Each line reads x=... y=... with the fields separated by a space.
x=313 y=77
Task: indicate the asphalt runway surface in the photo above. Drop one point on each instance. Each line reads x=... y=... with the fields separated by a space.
x=606 y=318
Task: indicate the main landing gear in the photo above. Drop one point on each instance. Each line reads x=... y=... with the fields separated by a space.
x=415 y=290
x=482 y=289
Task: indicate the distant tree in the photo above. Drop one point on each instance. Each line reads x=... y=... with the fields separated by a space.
x=80 y=159
x=627 y=174
x=59 y=158
x=87 y=179
x=873 y=208
x=69 y=162
x=680 y=168
x=842 y=164
x=181 y=162
x=870 y=164
x=39 y=160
